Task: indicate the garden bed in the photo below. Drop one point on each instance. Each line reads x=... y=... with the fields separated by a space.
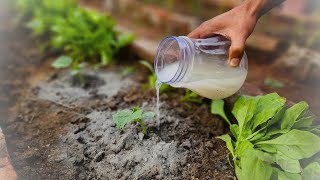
x=58 y=128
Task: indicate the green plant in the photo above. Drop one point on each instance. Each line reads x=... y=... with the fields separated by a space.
x=88 y=36
x=40 y=15
x=153 y=78
x=123 y=117
x=192 y=97
x=271 y=141
x=81 y=35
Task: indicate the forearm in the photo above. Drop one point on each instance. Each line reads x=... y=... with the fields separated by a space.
x=260 y=7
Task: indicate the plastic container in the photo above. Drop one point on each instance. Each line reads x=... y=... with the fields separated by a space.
x=200 y=65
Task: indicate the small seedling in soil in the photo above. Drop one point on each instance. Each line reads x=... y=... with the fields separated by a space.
x=192 y=97
x=270 y=140
x=123 y=117
x=272 y=83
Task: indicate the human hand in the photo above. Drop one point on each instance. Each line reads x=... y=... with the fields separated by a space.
x=235 y=25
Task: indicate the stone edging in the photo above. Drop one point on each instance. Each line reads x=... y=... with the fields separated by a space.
x=7 y=171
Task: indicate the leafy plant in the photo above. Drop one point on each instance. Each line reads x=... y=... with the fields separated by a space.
x=121 y=118
x=153 y=78
x=269 y=140
x=81 y=35
x=192 y=97
x=88 y=36
x=40 y=15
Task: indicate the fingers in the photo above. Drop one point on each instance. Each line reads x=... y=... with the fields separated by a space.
x=203 y=31
x=236 y=51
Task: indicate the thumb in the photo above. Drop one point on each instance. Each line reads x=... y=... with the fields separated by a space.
x=236 y=52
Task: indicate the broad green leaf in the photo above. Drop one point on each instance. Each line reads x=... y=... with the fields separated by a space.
x=296 y=144
x=311 y=172
x=277 y=117
x=62 y=62
x=287 y=164
x=264 y=156
x=267 y=148
x=148 y=115
x=288 y=176
x=303 y=122
x=268 y=105
x=254 y=168
x=293 y=113
x=217 y=107
x=243 y=111
x=234 y=129
x=229 y=144
x=121 y=118
x=242 y=147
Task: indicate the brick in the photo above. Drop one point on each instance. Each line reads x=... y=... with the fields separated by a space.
x=7 y=171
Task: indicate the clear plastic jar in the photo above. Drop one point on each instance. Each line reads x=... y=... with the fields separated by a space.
x=200 y=65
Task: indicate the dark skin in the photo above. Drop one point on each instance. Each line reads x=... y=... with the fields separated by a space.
x=235 y=25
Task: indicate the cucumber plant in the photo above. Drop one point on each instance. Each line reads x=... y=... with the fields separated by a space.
x=270 y=140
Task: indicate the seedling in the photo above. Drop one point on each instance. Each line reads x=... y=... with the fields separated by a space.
x=123 y=117
x=192 y=97
x=269 y=140
x=272 y=83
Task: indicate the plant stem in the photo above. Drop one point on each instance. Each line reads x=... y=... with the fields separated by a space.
x=139 y=121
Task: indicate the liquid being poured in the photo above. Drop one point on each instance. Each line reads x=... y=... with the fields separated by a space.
x=158 y=85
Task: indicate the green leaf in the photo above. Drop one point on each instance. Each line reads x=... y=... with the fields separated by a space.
x=242 y=147
x=243 y=111
x=146 y=64
x=287 y=164
x=273 y=83
x=311 y=172
x=296 y=144
x=288 y=176
x=125 y=39
x=267 y=107
x=234 y=128
x=304 y=122
x=293 y=113
x=217 y=107
x=229 y=144
x=254 y=168
x=148 y=115
x=264 y=156
x=62 y=62
x=121 y=118
x=137 y=114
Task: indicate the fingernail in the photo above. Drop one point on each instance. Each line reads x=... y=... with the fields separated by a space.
x=234 y=62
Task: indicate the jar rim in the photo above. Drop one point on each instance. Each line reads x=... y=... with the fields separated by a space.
x=184 y=52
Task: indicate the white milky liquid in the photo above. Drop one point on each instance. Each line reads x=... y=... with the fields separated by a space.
x=213 y=81
x=158 y=85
